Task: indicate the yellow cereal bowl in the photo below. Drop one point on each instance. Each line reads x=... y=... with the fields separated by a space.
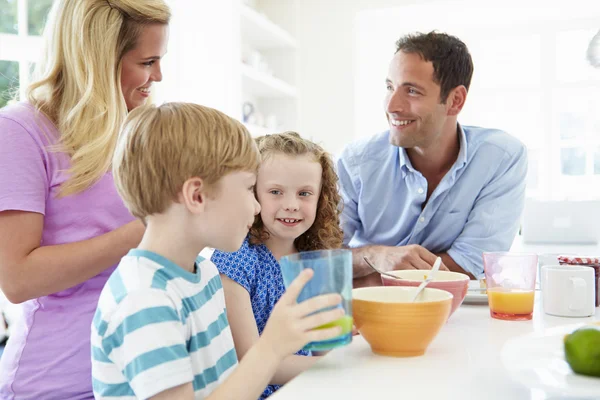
x=394 y=326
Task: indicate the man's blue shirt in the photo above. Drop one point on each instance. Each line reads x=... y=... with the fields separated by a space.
x=476 y=206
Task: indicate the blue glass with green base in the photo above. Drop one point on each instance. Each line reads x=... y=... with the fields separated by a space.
x=332 y=274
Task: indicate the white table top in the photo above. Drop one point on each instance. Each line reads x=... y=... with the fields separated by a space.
x=464 y=361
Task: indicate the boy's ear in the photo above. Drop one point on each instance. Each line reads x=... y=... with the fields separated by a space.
x=193 y=195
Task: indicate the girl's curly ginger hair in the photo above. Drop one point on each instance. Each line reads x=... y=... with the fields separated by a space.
x=325 y=232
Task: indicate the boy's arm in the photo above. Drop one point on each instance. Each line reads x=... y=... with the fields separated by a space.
x=259 y=363
x=182 y=392
x=251 y=376
x=245 y=333
x=291 y=325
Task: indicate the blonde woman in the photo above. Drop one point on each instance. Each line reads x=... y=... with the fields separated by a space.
x=63 y=227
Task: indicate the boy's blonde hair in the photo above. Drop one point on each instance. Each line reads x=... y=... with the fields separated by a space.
x=78 y=83
x=325 y=232
x=162 y=147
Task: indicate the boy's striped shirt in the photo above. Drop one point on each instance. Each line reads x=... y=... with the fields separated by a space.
x=158 y=326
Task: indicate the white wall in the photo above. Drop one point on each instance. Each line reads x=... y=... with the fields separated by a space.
x=325 y=33
x=329 y=58
x=201 y=64
x=531 y=77
x=506 y=42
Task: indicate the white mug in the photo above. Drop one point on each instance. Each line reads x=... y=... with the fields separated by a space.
x=568 y=291
x=546 y=259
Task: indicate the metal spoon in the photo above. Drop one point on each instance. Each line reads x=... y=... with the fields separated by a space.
x=430 y=276
x=377 y=270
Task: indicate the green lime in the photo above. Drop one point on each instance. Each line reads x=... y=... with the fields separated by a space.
x=582 y=351
x=345 y=323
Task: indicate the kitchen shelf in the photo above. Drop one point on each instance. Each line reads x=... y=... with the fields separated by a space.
x=262 y=85
x=260 y=33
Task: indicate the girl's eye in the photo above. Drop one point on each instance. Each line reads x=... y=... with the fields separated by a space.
x=304 y=194
x=275 y=192
x=149 y=63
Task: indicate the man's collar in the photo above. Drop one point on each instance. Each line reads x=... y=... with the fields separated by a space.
x=461 y=160
x=406 y=166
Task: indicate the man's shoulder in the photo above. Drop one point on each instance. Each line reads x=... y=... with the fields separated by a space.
x=482 y=140
x=369 y=149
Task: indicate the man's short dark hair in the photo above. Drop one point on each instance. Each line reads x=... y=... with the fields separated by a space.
x=452 y=63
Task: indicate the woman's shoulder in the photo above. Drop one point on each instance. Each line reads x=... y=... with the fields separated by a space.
x=23 y=116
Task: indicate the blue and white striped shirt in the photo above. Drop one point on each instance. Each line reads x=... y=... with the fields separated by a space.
x=158 y=326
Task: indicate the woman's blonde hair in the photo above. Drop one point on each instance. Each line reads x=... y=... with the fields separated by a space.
x=162 y=147
x=325 y=232
x=78 y=83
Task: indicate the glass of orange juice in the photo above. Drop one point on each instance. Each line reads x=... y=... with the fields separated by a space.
x=510 y=280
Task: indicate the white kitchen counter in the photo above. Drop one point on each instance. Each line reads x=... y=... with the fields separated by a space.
x=463 y=362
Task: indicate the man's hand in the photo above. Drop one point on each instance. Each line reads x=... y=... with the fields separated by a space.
x=390 y=258
x=405 y=257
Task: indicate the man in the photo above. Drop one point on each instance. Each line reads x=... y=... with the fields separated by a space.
x=429 y=186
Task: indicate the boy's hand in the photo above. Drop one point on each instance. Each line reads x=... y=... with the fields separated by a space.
x=291 y=326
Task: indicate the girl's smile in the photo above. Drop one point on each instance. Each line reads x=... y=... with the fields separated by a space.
x=288 y=189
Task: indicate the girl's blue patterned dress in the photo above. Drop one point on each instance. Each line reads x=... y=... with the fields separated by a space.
x=255 y=268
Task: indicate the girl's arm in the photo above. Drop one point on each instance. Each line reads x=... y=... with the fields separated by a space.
x=28 y=270
x=245 y=333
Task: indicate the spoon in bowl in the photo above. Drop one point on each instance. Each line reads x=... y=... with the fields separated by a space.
x=430 y=276
x=378 y=270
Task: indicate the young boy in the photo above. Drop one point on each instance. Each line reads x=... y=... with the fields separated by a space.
x=161 y=329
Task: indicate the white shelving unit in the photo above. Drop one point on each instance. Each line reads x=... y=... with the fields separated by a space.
x=247 y=62
x=264 y=85
x=268 y=73
x=262 y=33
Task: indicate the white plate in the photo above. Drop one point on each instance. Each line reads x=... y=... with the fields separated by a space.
x=475 y=297
x=538 y=361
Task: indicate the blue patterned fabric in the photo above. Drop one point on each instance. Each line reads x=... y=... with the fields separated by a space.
x=255 y=268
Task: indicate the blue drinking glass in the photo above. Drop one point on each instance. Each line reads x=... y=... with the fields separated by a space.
x=332 y=274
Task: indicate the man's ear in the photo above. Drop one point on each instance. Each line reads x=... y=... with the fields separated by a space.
x=193 y=195
x=456 y=100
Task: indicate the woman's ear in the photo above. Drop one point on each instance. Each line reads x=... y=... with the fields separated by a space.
x=193 y=195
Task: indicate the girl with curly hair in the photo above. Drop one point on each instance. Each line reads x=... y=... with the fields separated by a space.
x=297 y=189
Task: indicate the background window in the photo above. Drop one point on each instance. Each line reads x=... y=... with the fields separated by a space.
x=37 y=11
x=8 y=16
x=9 y=80
x=21 y=23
